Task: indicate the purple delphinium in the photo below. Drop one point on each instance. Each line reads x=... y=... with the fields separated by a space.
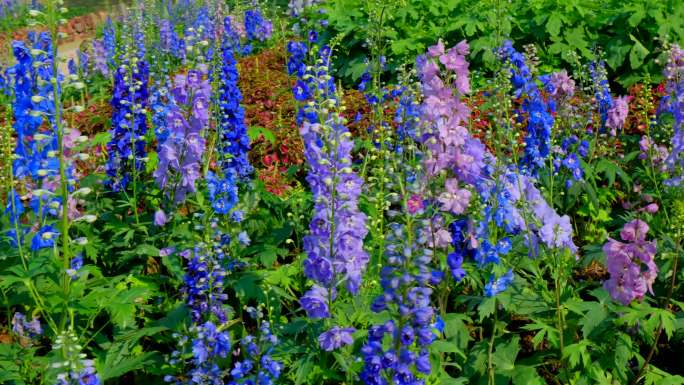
x=630 y=263
x=334 y=245
x=617 y=114
x=24 y=328
x=335 y=338
x=180 y=155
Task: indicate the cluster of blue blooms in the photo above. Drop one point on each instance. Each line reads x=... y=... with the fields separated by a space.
x=129 y=123
x=258 y=366
x=233 y=141
x=203 y=288
x=36 y=162
x=604 y=99
x=535 y=107
x=398 y=349
x=334 y=245
x=256 y=26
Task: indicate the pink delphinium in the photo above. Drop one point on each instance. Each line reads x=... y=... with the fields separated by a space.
x=618 y=114
x=454 y=199
x=630 y=263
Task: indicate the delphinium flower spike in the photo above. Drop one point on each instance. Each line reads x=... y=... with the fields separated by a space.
x=334 y=246
x=673 y=103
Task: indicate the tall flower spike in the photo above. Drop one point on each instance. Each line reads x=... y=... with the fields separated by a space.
x=673 y=103
x=129 y=123
x=334 y=246
x=180 y=154
x=536 y=107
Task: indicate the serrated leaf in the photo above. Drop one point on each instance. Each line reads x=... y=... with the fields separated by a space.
x=592 y=318
x=554 y=24
x=637 y=54
x=255 y=132
x=505 y=354
x=526 y=375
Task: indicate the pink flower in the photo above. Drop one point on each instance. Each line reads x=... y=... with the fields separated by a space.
x=634 y=231
x=437 y=49
x=454 y=199
x=618 y=114
x=415 y=204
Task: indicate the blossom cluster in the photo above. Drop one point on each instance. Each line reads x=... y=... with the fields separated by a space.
x=406 y=279
x=258 y=366
x=256 y=26
x=673 y=103
x=233 y=141
x=208 y=342
x=630 y=263
x=334 y=246
x=129 y=123
x=535 y=107
x=180 y=153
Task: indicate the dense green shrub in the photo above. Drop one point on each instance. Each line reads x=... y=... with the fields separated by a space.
x=629 y=33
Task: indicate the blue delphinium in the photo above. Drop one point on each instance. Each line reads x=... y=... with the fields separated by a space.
x=604 y=100
x=233 y=141
x=397 y=350
x=207 y=342
x=109 y=42
x=334 y=246
x=36 y=163
x=129 y=123
x=256 y=26
x=258 y=366
x=536 y=107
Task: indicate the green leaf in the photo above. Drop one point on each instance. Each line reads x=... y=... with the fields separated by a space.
x=592 y=318
x=120 y=357
x=554 y=24
x=505 y=354
x=487 y=307
x=637 y=54
x=526 y=375
x=577 y=353
x=255 y=132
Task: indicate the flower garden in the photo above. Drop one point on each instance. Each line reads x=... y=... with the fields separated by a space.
x=346 y=192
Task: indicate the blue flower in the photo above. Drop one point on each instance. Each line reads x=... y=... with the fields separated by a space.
x=44 y=238
x=496 y=286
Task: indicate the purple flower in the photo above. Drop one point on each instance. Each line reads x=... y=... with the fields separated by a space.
x=24 y=328
x=336 y=338
x=315 y=302
x=160 y=218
